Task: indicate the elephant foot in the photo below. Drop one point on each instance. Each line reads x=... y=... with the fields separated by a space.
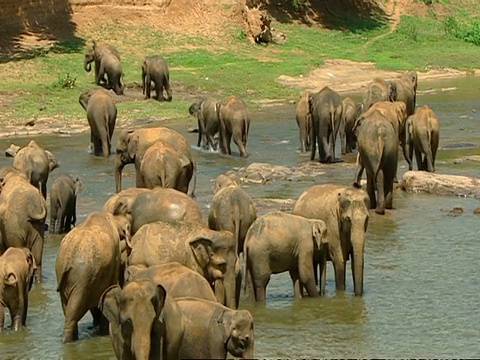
x=380 y=211
x=357 y=185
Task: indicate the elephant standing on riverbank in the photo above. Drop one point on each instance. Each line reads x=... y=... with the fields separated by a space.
x=208 y=123
x=345 y=212
x=155 y=69
x=63 y=203
x=106 y=62
x=326 y=108
x=102 y=117
x=304 y=121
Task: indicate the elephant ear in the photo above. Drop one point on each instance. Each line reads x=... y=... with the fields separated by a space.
x=108 y=304
x=343 y=201
x=158 y=299
x=52 y=162
x=201 y=248
x=392 y=91
x=133 y=271
x=78 y=186
x=10 y=279
x=319 y=233
x=132 y=145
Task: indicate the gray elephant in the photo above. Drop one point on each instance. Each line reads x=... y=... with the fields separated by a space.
x=234 y=122
x=36 y=163
x=162 y=165
x=17 y=266
x=345 y=212
x=304 y=120
x=22 y=217
x=422 y=135
x=208 y=252
x=132 y=145
x=278 y=242
x=351 y=112
x=63 y=203
x=126 y=196
x=326 y=108
x=378 y=155
x=107 y=63
x=205 y=111
x=144 y=321
x=155 y=69
x=227 y=179
x=102 y=117
x=405 y=88
x=379 y=90
x=88 y=262
x=212 y=331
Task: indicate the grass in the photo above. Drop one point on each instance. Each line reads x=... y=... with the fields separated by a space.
x=232 y=66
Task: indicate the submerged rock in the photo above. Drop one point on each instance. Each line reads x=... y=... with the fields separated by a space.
x=440 y=184
x=264 y=205
x=467 y=158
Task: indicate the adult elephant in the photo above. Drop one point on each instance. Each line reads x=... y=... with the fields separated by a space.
x=88 y=262
x=278 y=242
x=162 y=165
x=378 y=154
x=351 y=112
x=345 y=212
x=102 y=117
x=304 y=120
x=205 y=111
x=155 y=69
x=22 y=217
x=379 y=90
x=405 y=88
x=326 y=108
x=126 y=197
x=63 y=203
x=234 y=122
x=107 y=63
x=132 y=145
x=36 y=163
x=422 y=136
x=210 y=253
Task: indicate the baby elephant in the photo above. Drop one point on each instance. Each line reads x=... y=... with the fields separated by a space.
x=155 y=69
x=278 y=242
x=16 y=271
x=63 y=203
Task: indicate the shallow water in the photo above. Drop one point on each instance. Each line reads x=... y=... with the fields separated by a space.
x=421 y=266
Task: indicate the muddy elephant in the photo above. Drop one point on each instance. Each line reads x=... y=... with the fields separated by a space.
x=405 y=88
x=36 y=163
x=22 y=217
x=210 y=253
x=63 y=203
x=351 y=111
x=227 y=179
x=212 y=331
x=422 y=135
x=205 y=111
x=162 y=165
x=326 y=108
x=155 y=69
x=379 y=90
x=144 y=321
x=378 y=155
x=304 y=121
x=278 y=242
x=107 y=63
x=234 y=122
x=102 y=117
x=17 y=266
x=345 y=212
x=88 y=262
x=132 y=144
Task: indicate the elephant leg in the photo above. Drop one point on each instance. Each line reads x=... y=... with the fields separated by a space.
x=303 y=137
x=339 y=265
x=379 y=181
x=428 y=159
x=148 y=85
x=237 y=138
x=73 y=313
x=105 y=147
x=371 y=190
x=307 y=278
x=323 y=272
x=228 y=143
x=36 y=247
x=100 y=73
x=238 y=286
x=211 y=142
x=388 y=187
x=418 y=157
x=2 y=316
x=260 y=283
x=297 y=286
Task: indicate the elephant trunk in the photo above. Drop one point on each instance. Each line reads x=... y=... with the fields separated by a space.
x=141 y=344
x=118 y=173
x=358 y=244
x=87 y=65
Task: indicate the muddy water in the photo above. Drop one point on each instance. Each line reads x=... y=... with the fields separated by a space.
x=421 y=265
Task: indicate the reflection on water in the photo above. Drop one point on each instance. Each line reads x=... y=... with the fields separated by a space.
x=421 y=266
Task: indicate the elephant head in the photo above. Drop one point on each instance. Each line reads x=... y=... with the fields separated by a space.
x=319 y=233
x=89 y=57
x=85 y=97
x=238 y=333
x=392 y=91
x=230 y=178
x=135 y=314
x=127 y=146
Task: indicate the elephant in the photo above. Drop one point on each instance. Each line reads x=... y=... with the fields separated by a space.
x=227 y=179
x=278 y=242
x=63 y=203
x=210 y=253
x=36 y=163
x=17 y=266
x=88 y=262
x=22 y=217
x=379 y=90
x=234 y=122
x=205 y=111
x=178 y=280
x=132 y=144
x=213 y=330
x=345 y=212
x=422 y=135
x=304 y=121
x=326 y=108
x=126 y=197
x=107 y=62
x=162 y=165
x=351 y=112
x=102 y=117
x=405 y=88
x=378 y=155
x=155 y=69
x=145 y=322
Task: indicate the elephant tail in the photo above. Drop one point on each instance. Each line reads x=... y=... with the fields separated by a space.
x=194 y=186
x=381 y=151
x=37 y=209
x=63 y=280
x=236 y=219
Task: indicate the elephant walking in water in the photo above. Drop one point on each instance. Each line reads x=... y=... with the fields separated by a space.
x=304 y=121
x=63 y=203
x=208 y=123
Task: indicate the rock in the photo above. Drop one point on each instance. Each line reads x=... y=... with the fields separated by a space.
x=467 y=158
x=12 y=150
x=268 y=205
x=476 y=211
x=261 y=173
x=440 y=184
